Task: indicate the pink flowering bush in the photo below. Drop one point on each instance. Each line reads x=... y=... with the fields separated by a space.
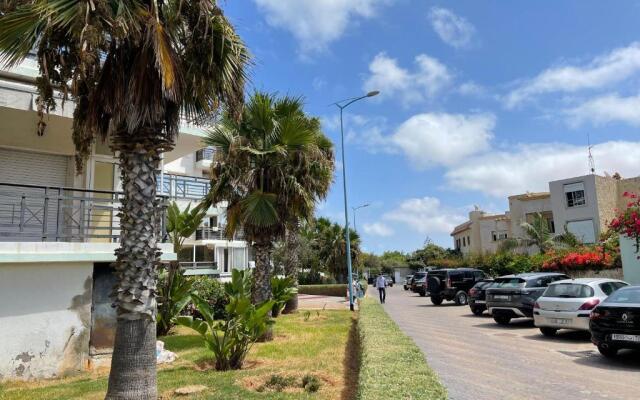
x=577 y=259
x=627 y=223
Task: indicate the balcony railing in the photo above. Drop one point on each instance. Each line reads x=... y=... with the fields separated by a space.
x=59 y=214
x=205 y=154
x=206 y=233
x=183 y=187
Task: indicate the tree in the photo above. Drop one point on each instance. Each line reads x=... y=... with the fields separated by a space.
x=273 y=166
x=330 y=242
x=133 y=69
x=174 y=290
x=538 y=233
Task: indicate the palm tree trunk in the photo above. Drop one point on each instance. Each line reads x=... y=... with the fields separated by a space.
x=133 y=365
x=261 y=290
x=291 y=266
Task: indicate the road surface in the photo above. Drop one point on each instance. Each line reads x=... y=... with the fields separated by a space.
x=478 y=359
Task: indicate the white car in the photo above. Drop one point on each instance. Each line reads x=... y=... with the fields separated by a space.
x=566 y=304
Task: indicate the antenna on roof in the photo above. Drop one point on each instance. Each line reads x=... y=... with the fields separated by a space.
x=592 y=163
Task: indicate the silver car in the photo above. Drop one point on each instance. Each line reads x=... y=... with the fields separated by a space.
x=566 y=304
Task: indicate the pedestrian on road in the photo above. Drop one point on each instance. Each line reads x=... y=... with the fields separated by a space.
x=381 y=284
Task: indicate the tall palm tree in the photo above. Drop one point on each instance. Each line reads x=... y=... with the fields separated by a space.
x=272 y=167
x=332 y=247
x=132 y=68
x=538 y=233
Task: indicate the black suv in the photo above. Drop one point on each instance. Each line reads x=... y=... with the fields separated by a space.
x=513 y=296
x=452 y=284
x=477 y=296
x=418 y=283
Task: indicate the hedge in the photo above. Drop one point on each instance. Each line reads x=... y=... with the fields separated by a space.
x=392 y=366
x=324 y=290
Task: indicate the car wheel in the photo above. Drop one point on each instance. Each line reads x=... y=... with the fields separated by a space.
x=436 y=300
x=461 y=298
x=406 y=288
x=502 y=319
x=548 y=331
x=423 y=293
x=608 y=351
x=477 y=311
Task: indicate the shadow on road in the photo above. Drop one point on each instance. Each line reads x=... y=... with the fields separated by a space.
x=514 y=325
x=627 y=360
x=562 y=336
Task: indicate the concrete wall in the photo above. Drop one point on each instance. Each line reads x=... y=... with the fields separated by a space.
x=630 y=261
x=563 y=214
x=607 y=197
x=45 y=317
x=488 y=225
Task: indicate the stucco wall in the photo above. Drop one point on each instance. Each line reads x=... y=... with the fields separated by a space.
x=563 y=214
x=45 y=316
x=607 y=194
x=487 y=227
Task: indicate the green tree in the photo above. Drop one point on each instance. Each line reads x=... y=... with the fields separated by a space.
x=538 y=233
x=330 y=242
x=132 y=68
x=274 y=165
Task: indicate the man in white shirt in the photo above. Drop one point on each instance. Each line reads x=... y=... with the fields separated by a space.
x=381 y=284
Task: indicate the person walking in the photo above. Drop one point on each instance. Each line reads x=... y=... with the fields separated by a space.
x=381 y=284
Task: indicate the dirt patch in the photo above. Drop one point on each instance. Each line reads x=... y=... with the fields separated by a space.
x=209 y=364
x=285 y=383
x=351 y=362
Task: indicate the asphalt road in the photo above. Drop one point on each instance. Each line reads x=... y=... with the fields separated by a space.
x=479 y=360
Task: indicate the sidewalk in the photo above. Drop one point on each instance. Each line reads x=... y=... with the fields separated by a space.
x=318 y=302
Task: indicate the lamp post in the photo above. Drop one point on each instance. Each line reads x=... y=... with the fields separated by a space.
x=342 y=104
x=354 y=214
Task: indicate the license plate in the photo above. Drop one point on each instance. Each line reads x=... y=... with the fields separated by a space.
x=501 y=297
x=625 y=338
x=479 y=301
x=560 y=321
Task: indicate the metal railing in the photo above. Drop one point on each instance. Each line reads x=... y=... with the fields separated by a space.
x=61 y=214
x=205 y=154
x=206 y=233
x=199 y=265
x=183 y=187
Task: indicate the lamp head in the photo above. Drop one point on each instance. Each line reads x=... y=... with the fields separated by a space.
x=373 y=93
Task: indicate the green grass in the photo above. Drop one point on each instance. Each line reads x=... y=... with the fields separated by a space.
x=392 y=366
x=339 y=289
x=315 y=346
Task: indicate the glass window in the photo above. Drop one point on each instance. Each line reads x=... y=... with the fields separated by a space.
x=574 y=193
x=610 y=287
x=568 y=290
x=509 y=282
x=625 y=296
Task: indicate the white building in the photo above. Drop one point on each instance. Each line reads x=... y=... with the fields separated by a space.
x=59 y=230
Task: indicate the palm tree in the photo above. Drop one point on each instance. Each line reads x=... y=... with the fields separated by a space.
x=272 y=167
x=332 y=247
x=132 y=68
x=538 y=233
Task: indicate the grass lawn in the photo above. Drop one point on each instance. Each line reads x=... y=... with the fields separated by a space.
x=304 y=344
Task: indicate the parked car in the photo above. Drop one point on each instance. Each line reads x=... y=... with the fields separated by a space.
x=389 y=280
x=615 y=323
x=477 y=296
x=513 y=296
x=567 y=304
x=407 y=282
x=418 y=283
x=452 y=284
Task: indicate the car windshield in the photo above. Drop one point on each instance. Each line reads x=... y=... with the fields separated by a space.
x=627 y=296
x=420 y=275
x=508 y=282
x=568 y=290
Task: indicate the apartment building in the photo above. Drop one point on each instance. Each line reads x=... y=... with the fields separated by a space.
x=59 y=231
x=585 y=205
x=524 y=208
x=482 y=233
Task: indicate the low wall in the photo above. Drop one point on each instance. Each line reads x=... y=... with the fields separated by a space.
x=605 y=273
x=45 y=318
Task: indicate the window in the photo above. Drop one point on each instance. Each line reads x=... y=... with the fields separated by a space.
x=469 y=240
x=464 y=241
x=498 y=235
x=568 y=290
x=583 y=230
x=631 y=295
x=213 y=221
x=574 y=193
x=457 y=243
x=610 y=287
x=508 y=283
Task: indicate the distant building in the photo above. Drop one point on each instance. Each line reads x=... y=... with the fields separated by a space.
x=482 y=233
x=523 y=208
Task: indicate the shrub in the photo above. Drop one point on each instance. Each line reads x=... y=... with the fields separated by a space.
x=231 y=339
x=324 y=290
x=310 y=383
x=282 y=290
x=212 y=291
x=314 y=278
x=387 y=357
x=173 y=297
x=579 y=259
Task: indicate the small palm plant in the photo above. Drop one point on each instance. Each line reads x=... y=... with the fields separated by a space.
x=231 y=339
x=282 y=290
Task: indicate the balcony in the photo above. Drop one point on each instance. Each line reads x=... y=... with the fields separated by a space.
x=30 y=213
x=178 y=187
x=206 y=233
x=204 y=158
x=200 y=268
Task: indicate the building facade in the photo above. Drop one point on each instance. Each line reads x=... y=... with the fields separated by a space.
x=482 y=233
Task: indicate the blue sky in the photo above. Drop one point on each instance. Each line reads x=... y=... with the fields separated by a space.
x=479 y=99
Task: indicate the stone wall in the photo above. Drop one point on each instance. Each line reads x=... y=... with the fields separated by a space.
x=605 y=273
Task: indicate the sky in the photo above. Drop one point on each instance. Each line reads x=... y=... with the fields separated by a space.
x=479 y=100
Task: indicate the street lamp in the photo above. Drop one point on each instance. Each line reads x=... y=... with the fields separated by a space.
x=354 y=214
x=342 y=104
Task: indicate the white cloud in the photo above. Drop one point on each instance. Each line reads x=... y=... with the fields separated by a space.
x=429 y=78
x=426 y=215
x=607 y=108
x=454 y=30
x=471 y=89
x=443 y=139
x=600 y=72
x=378 y=229
x=318 y=83
x=529 y=167
x=317 y=23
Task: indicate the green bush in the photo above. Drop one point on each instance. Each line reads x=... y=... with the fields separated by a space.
x=212 y=291
x=339 y=289
x=282 y=290
x=391 y=365
x=231 y=339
